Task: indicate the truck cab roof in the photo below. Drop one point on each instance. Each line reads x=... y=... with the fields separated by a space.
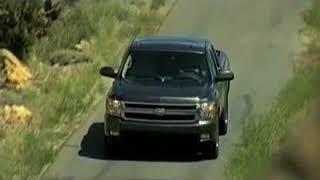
x=167 y=43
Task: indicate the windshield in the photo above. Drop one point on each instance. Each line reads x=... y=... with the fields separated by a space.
x=167 y=68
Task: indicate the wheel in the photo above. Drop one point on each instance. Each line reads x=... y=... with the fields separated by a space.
x=224 y=120
x=111 y=146
x=211 y=149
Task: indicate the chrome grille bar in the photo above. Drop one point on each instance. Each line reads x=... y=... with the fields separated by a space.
x=162 y=121
x=168 y=111
x=172 y=113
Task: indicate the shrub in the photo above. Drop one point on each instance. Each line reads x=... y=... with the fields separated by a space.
x=312 y=15
x=156 y=4
x=20 y=21
x=72 y=27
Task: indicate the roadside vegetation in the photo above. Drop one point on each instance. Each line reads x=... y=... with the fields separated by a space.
x=264 y=146
x=63 y=53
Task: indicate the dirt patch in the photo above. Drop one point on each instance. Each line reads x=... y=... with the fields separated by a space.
x=299 y=158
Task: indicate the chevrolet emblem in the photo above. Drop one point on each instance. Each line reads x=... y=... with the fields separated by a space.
x=159 y=111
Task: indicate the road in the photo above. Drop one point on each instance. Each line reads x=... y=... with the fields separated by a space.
x=261 y=40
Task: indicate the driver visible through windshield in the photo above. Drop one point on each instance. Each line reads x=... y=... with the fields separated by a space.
x=167 y=67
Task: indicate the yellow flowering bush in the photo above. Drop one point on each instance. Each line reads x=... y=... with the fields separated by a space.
x=12 y=116
x=16 y=74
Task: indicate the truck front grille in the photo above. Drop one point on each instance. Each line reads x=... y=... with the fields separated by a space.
x=160 y=113
x=168 y=106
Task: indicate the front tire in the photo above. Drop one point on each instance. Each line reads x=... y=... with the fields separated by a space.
x=224 y=120
x=111 y=146
x=211 y=148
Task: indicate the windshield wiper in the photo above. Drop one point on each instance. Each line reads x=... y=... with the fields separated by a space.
x=159 y=78
x=198 y=80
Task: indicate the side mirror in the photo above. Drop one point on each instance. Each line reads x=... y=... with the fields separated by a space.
x=225 y=76
x=108 y=72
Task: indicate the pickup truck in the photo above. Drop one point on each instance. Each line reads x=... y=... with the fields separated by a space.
x=169 y=85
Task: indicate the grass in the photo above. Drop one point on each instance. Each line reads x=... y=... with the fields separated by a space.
x=265 y=133
x=62 y=97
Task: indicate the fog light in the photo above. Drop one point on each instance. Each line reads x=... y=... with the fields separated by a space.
x=204 y=137
x=114 y=133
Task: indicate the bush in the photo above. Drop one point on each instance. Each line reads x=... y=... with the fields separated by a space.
x=156 y=4
x=74 y=25
x=312 y=15
x=20 y=21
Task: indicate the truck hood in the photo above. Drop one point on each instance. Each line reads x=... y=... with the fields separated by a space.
x=124 y=91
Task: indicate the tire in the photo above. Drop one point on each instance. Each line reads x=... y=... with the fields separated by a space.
x=211 y=149
x=111 y=146
x=224 y=120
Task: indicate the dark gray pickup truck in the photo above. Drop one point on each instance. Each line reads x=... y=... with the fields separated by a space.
x=170 y=85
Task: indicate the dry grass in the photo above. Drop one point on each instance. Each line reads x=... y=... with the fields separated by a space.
x=299 y=158
x=312 y=54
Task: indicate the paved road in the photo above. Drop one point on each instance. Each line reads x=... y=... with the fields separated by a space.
x=261 y=40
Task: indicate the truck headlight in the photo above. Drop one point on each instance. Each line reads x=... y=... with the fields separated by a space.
x=209 y=111
x=113 y=107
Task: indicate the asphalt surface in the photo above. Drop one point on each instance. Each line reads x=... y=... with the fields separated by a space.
x=261 y=40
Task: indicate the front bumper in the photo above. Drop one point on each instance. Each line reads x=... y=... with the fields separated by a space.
x=115 y=126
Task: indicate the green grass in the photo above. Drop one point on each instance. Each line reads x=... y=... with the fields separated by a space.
x=253 y=156
x=62 y=97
